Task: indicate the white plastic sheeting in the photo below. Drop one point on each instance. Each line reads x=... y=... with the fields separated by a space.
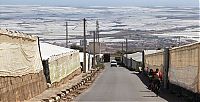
x=62 y=61
x=49 y=50
x=19 y=54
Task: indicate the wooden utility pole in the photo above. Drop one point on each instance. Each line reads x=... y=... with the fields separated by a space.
x=122 y=47
x=97 y=36
x=122 y=53
x=126 y=50
x=66 y=34
x=94 y=58
x=84 y=48
x=97 y=30
x=89 y=59
x=179 y=41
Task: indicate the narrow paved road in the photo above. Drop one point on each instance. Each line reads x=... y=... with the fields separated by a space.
x=120 y=84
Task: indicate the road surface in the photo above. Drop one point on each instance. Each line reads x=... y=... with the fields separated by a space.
x=120 y=84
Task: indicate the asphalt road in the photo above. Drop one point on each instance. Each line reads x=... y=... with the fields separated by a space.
x=120 y=84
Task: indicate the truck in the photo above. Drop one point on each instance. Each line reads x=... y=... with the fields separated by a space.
x=118 y=59
x=106 y=57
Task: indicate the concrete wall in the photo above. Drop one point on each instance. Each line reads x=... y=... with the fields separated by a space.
x=154 y=61
x=67 y=78
x=184 y=65
x=63 y=66
x=136 y=65
x=131 y=64
x=21 y=87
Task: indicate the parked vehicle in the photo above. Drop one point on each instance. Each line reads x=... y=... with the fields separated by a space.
x=113 y=63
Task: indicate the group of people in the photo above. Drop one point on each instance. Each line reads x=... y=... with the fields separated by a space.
x=155 y=77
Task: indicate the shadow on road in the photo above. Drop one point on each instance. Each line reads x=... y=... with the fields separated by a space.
x=165 y=94
x=149 y=96
x=145 y=91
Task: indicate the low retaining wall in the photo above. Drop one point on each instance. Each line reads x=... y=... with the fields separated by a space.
x=21 y=88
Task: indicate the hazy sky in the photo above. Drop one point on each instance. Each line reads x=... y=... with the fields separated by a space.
x=84 y=3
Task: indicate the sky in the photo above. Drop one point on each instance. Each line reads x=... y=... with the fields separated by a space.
x=85 y=3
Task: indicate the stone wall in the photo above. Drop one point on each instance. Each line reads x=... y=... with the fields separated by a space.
x=21 y=87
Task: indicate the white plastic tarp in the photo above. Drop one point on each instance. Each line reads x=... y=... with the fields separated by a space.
x=19 y=54
x=62 y=61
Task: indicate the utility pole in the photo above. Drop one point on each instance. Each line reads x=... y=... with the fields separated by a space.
x=122 y=53
x=66 y=34
x=97 y=30
x=122 y=47
x=89 y=60
x=98 y=44
x=84 y=48
x=126 y=50
x=94 y=58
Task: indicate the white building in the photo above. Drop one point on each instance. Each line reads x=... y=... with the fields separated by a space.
x=89 y=58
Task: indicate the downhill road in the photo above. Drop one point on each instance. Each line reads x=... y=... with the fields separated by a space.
x=120 y=84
